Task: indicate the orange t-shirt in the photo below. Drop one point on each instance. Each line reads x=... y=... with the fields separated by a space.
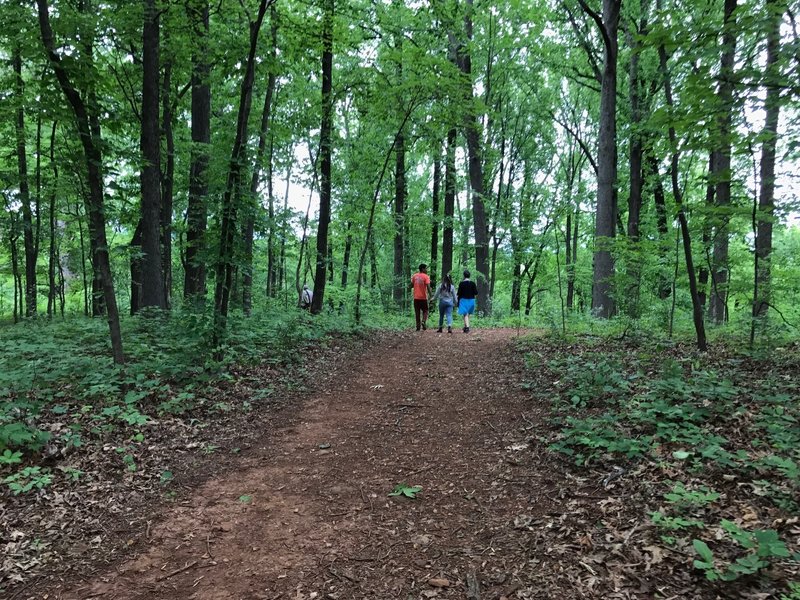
x=420 y=281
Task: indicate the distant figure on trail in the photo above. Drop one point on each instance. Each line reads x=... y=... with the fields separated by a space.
x=306 y=296
x=446 y=293
x=467 y=290
x=421 y=284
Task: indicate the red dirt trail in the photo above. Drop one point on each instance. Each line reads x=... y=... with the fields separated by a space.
x=307 y=515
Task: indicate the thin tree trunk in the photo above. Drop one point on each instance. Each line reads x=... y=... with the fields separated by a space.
x=53 y=256
x=252 y=200
x=136 y=268
x=449 y=202
x=697 y=308
x=89 y=133
x=226 y=263
x=167 y=184
x=636 y=153
x=152 y=275
x=24 y=189
x=571 y=272
x=326 y=151
x=437 y=186
x=83 y=261
x=659 y=200
x=398 y=287
x=348 y=247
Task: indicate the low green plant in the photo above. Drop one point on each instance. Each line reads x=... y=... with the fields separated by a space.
x=762 y=546
x=28 y=479
x=403 y=489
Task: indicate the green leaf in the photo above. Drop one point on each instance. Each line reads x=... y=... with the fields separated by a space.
x=681 y=454
x=402 y=489
x=704 y=551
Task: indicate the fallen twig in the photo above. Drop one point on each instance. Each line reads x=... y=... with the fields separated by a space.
x=185 y=567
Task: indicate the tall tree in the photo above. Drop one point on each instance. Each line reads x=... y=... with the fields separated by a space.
x=194 y=286
x=24 y=186
x=449 y=202
x=152 y=275
x=325 y=154
x=606 y=210
x=91 y=142
x=697 y=307
x=255 y=181
x=226 y=262
x=721 y=172
x=762 y=295
x=475 y=163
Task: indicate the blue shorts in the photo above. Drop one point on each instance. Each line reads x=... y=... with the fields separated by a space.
x=466 y=306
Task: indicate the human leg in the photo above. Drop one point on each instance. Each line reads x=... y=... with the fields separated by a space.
x=417 y=313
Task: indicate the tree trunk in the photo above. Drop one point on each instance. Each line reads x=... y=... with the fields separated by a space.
x=135 y=249
x=24 y=189
x=194 y=285
x=226 y=262
x=348 y=247
x=325 y=151
x=449 y=202
x=636 y=153
x=659 y=200
x=602 y=289
x=762 y=295
x=252 y=201
x=399 y=285
x=722 y=168
x=52 y=291
x=167 y=184
x=437 y=186
x=697 y=308
x=92 y=144
x=152 y=275
x=475 y=168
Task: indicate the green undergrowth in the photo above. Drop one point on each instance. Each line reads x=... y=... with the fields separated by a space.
x=59 y=388
x=714 y=440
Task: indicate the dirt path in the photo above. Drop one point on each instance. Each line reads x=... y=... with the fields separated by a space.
x=308 y=515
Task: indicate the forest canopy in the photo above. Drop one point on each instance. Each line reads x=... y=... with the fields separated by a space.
x=632 y=161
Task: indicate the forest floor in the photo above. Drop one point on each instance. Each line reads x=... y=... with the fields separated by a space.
x=303 y=510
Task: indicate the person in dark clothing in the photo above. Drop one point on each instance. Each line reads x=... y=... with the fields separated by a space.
x=467 y=291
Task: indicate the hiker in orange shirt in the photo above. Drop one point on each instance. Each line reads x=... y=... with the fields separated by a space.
x=421 y=284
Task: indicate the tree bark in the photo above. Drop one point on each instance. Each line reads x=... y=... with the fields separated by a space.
x=636 y=174
x=152 y=275
x=24 y=187
x=53 y=255
x=226 y=262
x=697 y=307
x=194 y=285
x=602 y=289
x=762 y=295
x=449 y=202
x=475 y=168
x=399 y=286
x=255 y=181
x=167 y=183
x=437 y=186
x=325 y=150
x=721 y=175
x=91 y=143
